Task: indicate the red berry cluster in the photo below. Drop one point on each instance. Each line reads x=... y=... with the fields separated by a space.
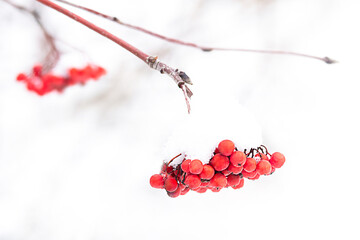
x=43 y=83
x=227 y=168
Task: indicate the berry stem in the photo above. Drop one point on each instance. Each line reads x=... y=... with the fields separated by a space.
x=194 y=45
x=174 y=158
x=180 y=78
x=267 y=152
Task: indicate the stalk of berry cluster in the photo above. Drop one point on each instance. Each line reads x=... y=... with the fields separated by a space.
x=194 y=45
x=180 y=78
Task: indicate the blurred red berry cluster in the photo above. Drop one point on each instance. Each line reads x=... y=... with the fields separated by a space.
x=43 y=83
x=227 y=168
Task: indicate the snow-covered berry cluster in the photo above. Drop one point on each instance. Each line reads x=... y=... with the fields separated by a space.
x=227 y=168
x=43 y=83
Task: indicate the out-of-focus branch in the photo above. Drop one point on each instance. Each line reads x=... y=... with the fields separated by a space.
x=53 y=56
x=194 y=45
x=180 y=78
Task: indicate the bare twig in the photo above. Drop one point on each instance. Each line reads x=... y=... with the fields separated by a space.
x=53 y=56
x=194 y=45
x=180 y=78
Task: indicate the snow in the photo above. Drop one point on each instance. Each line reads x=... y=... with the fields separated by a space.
x=214 y=117
x=77 y=165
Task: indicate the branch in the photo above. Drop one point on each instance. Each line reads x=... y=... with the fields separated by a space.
x=53 y=56
x=180 y=78
x=194 y=45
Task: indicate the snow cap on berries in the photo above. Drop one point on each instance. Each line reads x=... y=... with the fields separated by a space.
x=213 y=118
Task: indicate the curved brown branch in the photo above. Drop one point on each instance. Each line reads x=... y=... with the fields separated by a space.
x=194 y=45
x=177 y=76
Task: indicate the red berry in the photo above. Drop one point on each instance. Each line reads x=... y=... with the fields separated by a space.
x=226 y=147
x=204 y=183
x=196 y=166
x=182 y=186
x=21 y=77
x=185 y=165
x=249 y=174
x=238 y=158
x=185 y=191
x=277 y=159
x=235 y=170
x=37 y=70
x=219 y=162
x=157 y=181
x=240 y=185
x=171 y=184
x=207 y=172
x=262 y=156
x=272 y=170
x=233 y=180
x=193 y=181
x=250 y=165
x=226 y=172
x=263 y=167
x=174 y=194
x=201 y=189
x=218 y=181
x=169 y=169
x=215 y=189
x=256 y=177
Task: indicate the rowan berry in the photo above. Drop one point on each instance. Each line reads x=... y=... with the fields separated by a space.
x=169 y=169
x=157 y=181
x=256 y=177
x=215 y=189
x=182 y=186
x=240 y=184
x=272 y=169
x=175 y=193
x=21 y=77
x=250 y=165
x=201 y=189
x=170 y=184
x=205 y=183
x=277 y=159
x=185 y=191
x=235 y=170
x=207 y=173
x=249 y=174
x=226 y=172
x=218 y=181
x=263 y=167
x=237 y=158
x=262 y=156
x=37 y=70
x=192 y=181
x=196 y=166
x=185 y=165
x=233 y=180
x=219 y=162
x=226 y=147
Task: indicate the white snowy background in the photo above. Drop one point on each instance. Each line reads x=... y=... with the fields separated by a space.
x=77 y=165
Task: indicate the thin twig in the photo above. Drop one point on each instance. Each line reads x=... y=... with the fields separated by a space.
x=53 y=56
x=180 y=78
x=194 y=45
